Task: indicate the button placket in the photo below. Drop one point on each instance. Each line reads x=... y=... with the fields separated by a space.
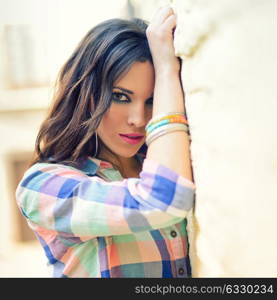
x=175 y=240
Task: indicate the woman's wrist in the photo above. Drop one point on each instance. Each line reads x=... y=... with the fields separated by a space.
x=168 y=93
x=167 y=72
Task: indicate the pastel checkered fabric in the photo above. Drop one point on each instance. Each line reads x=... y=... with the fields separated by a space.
x=91 y=222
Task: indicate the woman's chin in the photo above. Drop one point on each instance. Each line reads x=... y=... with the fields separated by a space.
x=128 y=154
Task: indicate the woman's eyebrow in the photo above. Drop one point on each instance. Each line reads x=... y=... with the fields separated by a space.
x=123 y=89
x=129 y=91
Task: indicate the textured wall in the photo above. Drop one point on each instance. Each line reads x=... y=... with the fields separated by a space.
x=229 y=74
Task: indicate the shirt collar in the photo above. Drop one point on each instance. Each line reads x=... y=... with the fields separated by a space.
x=92 y=165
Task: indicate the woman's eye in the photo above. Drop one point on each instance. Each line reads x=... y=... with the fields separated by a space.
x=119 y=97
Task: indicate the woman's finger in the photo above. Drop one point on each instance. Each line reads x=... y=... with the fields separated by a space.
x=161 y=15
x=170 y=23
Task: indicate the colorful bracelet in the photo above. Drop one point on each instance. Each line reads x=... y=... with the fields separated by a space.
x=165 y=122
x=164 y=130
x=173 y=115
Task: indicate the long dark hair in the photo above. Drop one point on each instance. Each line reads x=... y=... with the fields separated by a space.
x=84 y=88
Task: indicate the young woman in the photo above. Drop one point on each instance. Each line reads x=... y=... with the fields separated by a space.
x=111 y=184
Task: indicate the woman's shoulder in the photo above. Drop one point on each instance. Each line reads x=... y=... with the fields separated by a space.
x=58 y=175
x=87 y=168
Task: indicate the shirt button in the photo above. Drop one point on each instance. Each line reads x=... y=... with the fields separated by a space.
x=173 y=233
x=181 y=271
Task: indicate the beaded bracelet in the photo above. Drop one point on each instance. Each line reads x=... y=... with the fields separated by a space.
x=149 y=140
x=165 y=122
x=164 y=117
x=164 y=130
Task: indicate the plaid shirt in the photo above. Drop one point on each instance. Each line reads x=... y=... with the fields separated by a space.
x=91 y=222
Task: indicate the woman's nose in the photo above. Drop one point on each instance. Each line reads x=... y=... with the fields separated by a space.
x=138 y=117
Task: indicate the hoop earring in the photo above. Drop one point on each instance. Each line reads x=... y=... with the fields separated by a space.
x=96 y=144
x=96 y=139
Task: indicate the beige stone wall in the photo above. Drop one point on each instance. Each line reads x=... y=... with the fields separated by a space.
x=228 y=48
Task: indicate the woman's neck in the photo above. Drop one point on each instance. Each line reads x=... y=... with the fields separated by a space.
x=127 y=166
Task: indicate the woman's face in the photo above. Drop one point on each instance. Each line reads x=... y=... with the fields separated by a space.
x=130 y=111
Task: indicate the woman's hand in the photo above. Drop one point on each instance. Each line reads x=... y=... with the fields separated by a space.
x=160 y=38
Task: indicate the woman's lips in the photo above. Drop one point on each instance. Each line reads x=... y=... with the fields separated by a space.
x=135 y=139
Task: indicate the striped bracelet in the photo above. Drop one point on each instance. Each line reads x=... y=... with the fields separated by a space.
x=164 y=130
x=165 y=116
x=165 y=122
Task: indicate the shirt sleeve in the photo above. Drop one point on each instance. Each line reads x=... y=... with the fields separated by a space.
x=65 y=200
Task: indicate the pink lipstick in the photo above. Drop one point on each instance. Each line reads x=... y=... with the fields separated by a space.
x=132 y=138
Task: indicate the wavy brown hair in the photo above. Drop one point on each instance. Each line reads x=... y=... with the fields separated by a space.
x=83 y=90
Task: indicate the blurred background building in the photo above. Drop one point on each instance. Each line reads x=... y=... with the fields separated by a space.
x=36 y=37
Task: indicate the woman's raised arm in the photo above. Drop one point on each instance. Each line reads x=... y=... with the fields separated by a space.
x=168 y=94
